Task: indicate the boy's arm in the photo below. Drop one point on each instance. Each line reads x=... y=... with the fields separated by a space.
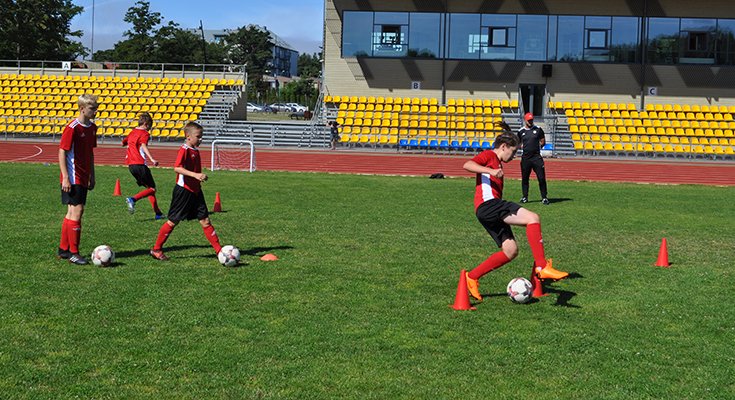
x=148 y=153
x=65 y=184
x=183 y=171
x=91 y=174
x=476 y=168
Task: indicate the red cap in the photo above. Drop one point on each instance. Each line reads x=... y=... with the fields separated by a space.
x=528 y=117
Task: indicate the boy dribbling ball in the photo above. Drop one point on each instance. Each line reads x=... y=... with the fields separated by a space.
x=187 y=201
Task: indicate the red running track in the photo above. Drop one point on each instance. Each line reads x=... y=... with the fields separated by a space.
x=344 y=161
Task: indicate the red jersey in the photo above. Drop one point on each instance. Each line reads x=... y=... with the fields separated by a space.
x=188 y=158
x=487 y=187
x=78 y=141
x=135 y=154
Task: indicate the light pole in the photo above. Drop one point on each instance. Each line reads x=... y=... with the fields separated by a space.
x=92 y=42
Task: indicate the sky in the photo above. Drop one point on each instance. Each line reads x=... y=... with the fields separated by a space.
x=298 y=22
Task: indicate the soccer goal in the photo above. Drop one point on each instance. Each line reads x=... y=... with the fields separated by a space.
x=233 y=154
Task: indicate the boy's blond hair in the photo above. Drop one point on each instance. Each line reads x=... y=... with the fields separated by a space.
x=87 y=100
x=192 y=126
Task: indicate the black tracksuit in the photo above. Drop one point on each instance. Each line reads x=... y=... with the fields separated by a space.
x=531 y=159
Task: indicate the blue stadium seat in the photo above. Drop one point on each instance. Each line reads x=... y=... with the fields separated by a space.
x=403 y=143
x=455 y=145
x=423 y=143
x=466 y=145
x=433 y=144
x=548 y=146
x=444 y=144
x=486 y=145
x=413 y=143
x=476 y=145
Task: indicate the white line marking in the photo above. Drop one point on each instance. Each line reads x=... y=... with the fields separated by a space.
x=40 y=150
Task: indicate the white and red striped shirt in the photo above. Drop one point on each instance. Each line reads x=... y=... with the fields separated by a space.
x=487 y=187
x=135 y=154
x=79 y=141
x=189 y=159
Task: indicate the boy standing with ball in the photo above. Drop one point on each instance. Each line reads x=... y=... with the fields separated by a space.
x=497 y=215
x=187 y=201
x=76 y=162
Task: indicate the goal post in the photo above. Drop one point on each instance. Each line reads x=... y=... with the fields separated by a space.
x=233 y=154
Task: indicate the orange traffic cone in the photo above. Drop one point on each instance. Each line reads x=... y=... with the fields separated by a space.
x=462 y=299
x=217 y=203
x=117 y=191
x=269 y=257
x=663 y=255
x=538 y=287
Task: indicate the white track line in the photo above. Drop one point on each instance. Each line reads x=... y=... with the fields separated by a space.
x=40 y=150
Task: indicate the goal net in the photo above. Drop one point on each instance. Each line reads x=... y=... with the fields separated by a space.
x=233 y=154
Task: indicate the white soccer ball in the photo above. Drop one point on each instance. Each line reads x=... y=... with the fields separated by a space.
x=103 y=256
x=229 y=256
x=520 y=290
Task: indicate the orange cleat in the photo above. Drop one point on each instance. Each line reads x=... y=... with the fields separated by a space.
x=548 y=272
x=474 y=287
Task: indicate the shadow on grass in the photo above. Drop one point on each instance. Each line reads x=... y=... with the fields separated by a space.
x=563 y=296
x=141 y=252
x=255 y=250
x=559 y=200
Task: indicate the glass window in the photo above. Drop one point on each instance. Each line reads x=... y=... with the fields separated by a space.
x=391 y=18
x=464 y=36
x=551 y=40
x=596 y=39
x=531 y=38
x=597 y=22
x=697 y=43
x=663 y=40
x=570 y=38
x=357 y=28
x=498 y=36
x=390 y=40
x=425 y=35
x=625 y=40
x=500 y=20
x=726 y=44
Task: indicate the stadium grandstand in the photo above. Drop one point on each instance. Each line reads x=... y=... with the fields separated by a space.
x=636 y=77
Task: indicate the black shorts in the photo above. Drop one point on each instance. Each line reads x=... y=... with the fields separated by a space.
x=142 y=175
x=491 y=214
x=76 y=196
x=186 y=205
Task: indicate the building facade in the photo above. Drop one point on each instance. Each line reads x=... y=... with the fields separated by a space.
x=535 y=51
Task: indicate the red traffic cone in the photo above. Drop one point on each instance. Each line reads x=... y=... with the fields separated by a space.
x=538 y=288
x=663 y=255
x=462 y=299
x=117 y=191
x=217 y=203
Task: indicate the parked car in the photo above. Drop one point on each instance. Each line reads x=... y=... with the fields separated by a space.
x=252 y=107
x=296 y=107
x=281 y=107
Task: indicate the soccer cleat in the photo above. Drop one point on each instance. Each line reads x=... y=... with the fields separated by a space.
x=548 y=272
x=158 y=255
x=474 y=287
x=159 y=216
x=64 y=254
x=524 y=199
x=545 y=201
x=75 y=258
x=131 y=204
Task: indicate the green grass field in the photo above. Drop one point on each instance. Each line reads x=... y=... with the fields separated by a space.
x=357 y=305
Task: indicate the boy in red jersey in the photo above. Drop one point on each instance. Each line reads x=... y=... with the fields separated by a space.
x=137 y=144
x=497 y=215
x=187 y=201
x=76 y=162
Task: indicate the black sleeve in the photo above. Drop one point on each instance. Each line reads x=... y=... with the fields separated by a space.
x=540 y=134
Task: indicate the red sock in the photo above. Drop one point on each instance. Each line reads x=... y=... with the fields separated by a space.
x=166 y=230
x=212 y=237
x=536 y=241
x=74 y=232
x=64 y=243
x=154 y=204
x=494 y=261
x=144 y=193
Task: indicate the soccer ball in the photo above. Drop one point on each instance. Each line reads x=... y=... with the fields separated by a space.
x=520 y=290
x=103 y=256
x=229 y=256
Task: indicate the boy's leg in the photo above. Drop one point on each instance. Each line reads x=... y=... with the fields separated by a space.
x=64 y=242
x=495 y=261
x=144 y=193
x=210 y=234
x=154 y=204
x=163 y=235
x=74 y=232
x=532 y=223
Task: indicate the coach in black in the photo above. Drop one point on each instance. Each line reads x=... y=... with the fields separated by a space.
x=532 y=140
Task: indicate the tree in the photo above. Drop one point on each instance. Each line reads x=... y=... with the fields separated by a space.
x=39 y=30
x=309 y=66
x=252 y=47
x=300 y=91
